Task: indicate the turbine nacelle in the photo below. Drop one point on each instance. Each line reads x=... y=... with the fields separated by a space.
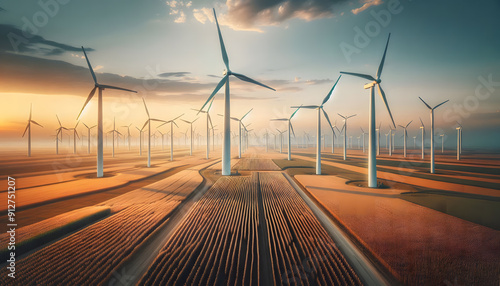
x=372 y=84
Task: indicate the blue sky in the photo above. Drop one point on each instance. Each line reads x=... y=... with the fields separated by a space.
x=439 y=50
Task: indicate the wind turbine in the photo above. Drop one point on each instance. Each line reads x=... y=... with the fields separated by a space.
x=100 y=87
x=88 y=136
x=318 y=136
x=59 y=131
x=140 y=139
x=240 y=124
x=75 y=134
x=113 y=132
x=28 y=128
x=226 y=146
x=432 y=130
x=290 y=131
x=333 y=135
x=345 y=133
x=378 y=138
x=191 y=136
x=148 y=123
x=209 y=121
x=422 y=126
x=414 y=142
x=459 y=140
x=128 y=134
x=387 y=140
x=267 y=140
x=281 y=139
x=372 y=159
x=172 y=123
x=405 y=135
x=442 y=143
x=364 y=133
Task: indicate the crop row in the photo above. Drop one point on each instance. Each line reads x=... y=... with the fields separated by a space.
x=90 y=255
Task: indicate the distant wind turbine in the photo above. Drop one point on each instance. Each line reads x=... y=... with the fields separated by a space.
x=405 y=136
x=364 y=133
x=432 y=130
x=172 y=123
x=113 y=132
x=128 y=134
x=101 y=87
x=75 y=134
x=240 y=124
x=345 y=133
x=209 y=123
x=422 y=126
x=442 y=143
x=459 y=140
x=88 y=136
x=59 y=132
x=28 y=128
x=140 y=139
x=318 y=135
x=281 y=139
x=191 y=136
x=378 y=138
x=290 y=131
x=226 y=146
x=372 y=159
x=148 y=123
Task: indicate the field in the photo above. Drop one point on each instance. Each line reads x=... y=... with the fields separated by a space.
x=182 y=223
x=248 y=231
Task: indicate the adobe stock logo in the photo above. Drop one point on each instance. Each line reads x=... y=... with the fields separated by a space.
x=363 y=37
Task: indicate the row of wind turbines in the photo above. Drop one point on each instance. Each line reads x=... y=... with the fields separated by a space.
x=375 y=83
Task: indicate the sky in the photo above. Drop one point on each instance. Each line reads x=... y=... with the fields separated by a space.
x=169 y=52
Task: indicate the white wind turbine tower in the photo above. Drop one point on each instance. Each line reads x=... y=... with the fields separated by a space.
x=364 y=133
x=172 y=123
x=28 y=128
x=281 y=139
x=387 y=141
x=88 y=136
x=191 y=136
x=422 y=126
x=393 y=133
x=113 y=133
x=267 y=140
x=459 y=140
x=405 y=135
x=209 y=123
x=148 y=123
x=240 y=124
x=75 y=134
x=378 y=138
x=226 y=146
x=372 y=159
x=101 y=87
x=432 y=130
x=128 y=134
x=318 y=132
x=290 y=131
x=59 y=131
x=140 y=139
x=442 y=143
x=345 y=133
x=333 y=134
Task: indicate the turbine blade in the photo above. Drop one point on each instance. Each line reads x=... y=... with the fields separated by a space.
x=31 y=109
x=330 y=93
x=409 y=123
x=382 y=95
x=76 y=132
x=381 y=66
x=425 y=103
x=58 y=120
x=186 y=121
x=351 y=116
x=210 y=106
x=362 y=130
x=342 y=116
x=421 y=122
x=147 y=121
x=327 y=118
x=118 y=88
x=27 y=126
x=78 y=122
x=441 y=104
x=210 y=121
x=233 y=118
x=221 y=83
x=145 y=106
x=246 y=114
x=245 y=78
x=90 y=66
x=178 y=117
x=279 y=119
x=365 y=76
x=291 y=127
x=295 y=111
x=195 y=120
x=91 y=94
x=306 y=106
x=163 y=124
x=85 y=125
x=33 y=121
x=222 y=47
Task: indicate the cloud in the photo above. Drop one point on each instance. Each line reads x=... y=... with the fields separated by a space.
x=203 y=15
x=174 y=74
x=177 y=8
x=246 y=14
x=13 y=39
x=98 y=67
x=366 y=4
